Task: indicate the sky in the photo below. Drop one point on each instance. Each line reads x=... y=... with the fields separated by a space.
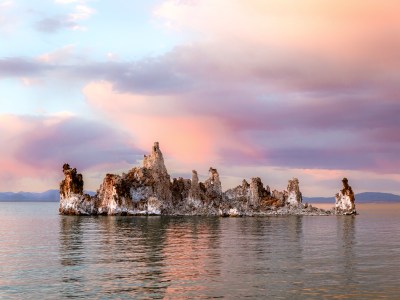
x=264 y=88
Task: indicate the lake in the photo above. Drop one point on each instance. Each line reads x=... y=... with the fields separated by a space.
x=47 y=256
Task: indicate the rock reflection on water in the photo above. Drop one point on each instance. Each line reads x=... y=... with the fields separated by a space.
x=47 y=256
x=345 y=247
x=199 y=257
x=152 y=257
x=166 y=257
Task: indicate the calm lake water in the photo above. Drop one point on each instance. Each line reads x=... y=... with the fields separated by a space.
x=47 y=256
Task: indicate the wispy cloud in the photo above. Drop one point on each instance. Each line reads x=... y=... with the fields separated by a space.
x=82 y=12
x=69 y=20
x=6 y=3
x=59 y=56
x=8 y=20
x=19 y=67
x=68 y=1
x=54 y=24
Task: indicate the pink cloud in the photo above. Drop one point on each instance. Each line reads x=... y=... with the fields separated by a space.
x=35 y=148
x=188 y=137
x=307 y=25
x=307 y=44
x=270 y=83
x=294 y=85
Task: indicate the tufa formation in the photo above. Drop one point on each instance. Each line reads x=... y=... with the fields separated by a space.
x=149 y=190
x=345 y=200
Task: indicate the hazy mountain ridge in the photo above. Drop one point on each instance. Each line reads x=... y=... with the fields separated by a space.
x=54 y=196
x=366 y=197
x=47 y=196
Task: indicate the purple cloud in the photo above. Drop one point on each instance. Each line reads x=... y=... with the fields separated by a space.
x=53 y=24
x=18 y=66
x=349 y=111
x=80 y=142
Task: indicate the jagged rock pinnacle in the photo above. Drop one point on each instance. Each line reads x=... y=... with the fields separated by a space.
x=155 y=160
x=294 y=195
x=194 y=192
x=72 y=183
x=345 y=199
x=72 y=199
x=149 y=190
x=213 y=182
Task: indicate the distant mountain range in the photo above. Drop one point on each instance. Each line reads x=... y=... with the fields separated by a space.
x=54 y=196
x=367 y=197
x=48 y=196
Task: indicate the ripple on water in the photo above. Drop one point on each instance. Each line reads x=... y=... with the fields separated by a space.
x=44 y=255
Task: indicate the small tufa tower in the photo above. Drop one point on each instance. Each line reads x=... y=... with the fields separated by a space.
x=194 y=192
x=345 y=200
x=213 y=182
x=72 y=199
x=295 y=197
x=72 y=183
x=155 y=160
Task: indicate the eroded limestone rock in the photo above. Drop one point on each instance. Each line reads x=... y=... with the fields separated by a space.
x=257 y=192
x=213 y=186
x=155 y=160
x=194 y=192
x=72 y=199
x=345 y=200
x=249 y=198
x=148 y=190
x=294 y=197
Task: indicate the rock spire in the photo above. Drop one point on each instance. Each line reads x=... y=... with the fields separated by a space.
x=149 y=190
x=345 y=199
x=294 y=195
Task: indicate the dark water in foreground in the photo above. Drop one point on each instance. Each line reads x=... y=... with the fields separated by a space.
x=47 y=256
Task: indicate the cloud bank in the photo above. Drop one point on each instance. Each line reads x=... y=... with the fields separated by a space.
x=35 y=148
x=297 y=88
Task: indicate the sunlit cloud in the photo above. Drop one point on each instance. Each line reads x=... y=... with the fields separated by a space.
x=68 y=20
x=186 y=137
x=37 y=146
x=305 y=89
x=82 y=12
x=59 y=56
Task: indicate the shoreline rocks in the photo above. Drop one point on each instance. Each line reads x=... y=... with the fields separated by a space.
x=149 y=190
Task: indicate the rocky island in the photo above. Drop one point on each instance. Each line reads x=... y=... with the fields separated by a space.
x=149 y=190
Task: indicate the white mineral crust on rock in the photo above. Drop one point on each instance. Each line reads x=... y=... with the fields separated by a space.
x=149 y=190
x=213 y=184
x=345 y=200
x=154 y=206
x=294 y=195
x=254 y=192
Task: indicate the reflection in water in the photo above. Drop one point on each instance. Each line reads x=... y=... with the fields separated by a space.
x=264 y=255
x=153 y=256
x=345 y=247
x=129 y=251
x=44 y=255
x=72 y=254
x=192 y=256
x=198 y=257
x=71 y=241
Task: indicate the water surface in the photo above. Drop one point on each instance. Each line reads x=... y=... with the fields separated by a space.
x=47 y=256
